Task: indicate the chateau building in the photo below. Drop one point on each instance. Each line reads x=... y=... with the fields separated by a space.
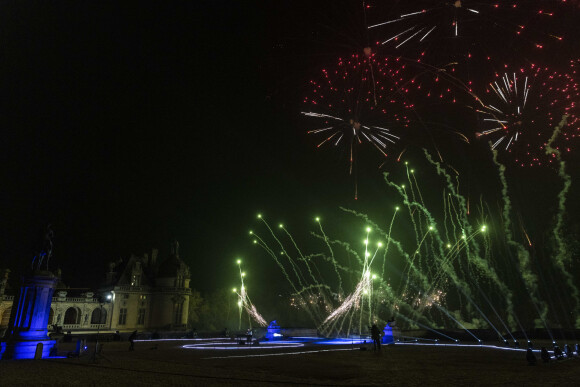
x=139 y=293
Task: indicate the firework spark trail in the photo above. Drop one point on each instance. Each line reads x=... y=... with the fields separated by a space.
x=349 y=303
x=398 y=302
x=290 y=260
x=530 y=279
x=419 y=274
x=455 y=250
x=360 y=299
x=413 y=187
x=403 y=193
x=414 y=312
x=451 y=211
x=462 y=285
x=397 y=244
x=313 y=314
x=332 y=260
x=563 y=257
x=456 y=223
x=445 y=216
x=332 y=256
x=417 y=250
x=474 y=258
x=297 y=271
x=272 y=254
x=388 y=241
x=250 y=309
x=431 y=239
x=301 y=255
x=245 y=303
x=486 y=238
x=483 y=265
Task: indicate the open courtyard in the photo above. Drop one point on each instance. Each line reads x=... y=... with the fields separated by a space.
x=184 y=362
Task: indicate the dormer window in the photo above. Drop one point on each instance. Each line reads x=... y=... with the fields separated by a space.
x=136 y=280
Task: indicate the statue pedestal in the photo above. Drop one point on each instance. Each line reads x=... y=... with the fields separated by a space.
x=29 y=320
x=389 y=334
x=273 y=331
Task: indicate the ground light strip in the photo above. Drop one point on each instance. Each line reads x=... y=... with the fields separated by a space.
x=279 y=354
x=478 y=346
x=236 y=346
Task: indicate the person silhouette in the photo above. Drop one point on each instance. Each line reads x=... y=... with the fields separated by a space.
x=530 y=357
x=132 y=338
x=376 y=336
x=545 y=355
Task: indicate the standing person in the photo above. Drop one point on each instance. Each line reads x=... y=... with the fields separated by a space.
x=132 y=338
x=545 y=355
x=530 y=357
x=376 y=336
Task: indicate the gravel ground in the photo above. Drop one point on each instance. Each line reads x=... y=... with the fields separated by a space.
x=167 y=363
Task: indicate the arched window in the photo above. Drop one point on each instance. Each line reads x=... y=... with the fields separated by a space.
x=99 y=316
x=51 y=317
x=71 y=316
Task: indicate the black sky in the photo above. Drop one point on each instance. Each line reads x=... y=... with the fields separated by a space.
x=128 y=124
x=125 y=126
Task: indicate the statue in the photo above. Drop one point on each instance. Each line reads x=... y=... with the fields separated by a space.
x=175 y=248
x=46 y=251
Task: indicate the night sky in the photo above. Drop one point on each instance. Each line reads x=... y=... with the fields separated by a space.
x=125 y=126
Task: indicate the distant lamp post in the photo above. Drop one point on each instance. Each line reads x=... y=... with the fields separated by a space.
x=103 y=299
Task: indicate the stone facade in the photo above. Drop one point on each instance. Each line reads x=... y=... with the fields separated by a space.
x=138 y=294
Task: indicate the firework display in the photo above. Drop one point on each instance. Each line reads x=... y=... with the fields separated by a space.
x=245 y=304
x=440 y=275
x=430 y=261
x=361 y=101
x=467 y=27
x=521 y=109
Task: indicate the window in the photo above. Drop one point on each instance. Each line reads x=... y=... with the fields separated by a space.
x=178 y=313
x=72 y=316
x=136 y=280
x=122 y=316
x=99 y=316
x=141 y=317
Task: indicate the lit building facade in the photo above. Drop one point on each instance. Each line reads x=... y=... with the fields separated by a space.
x=138 y=294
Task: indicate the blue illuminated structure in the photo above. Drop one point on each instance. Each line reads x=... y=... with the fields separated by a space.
x=28 y=325
x=273 y=331
x=388 y=334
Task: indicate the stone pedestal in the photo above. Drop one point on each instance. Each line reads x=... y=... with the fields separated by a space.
x=388 y=336
x=29 y=320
